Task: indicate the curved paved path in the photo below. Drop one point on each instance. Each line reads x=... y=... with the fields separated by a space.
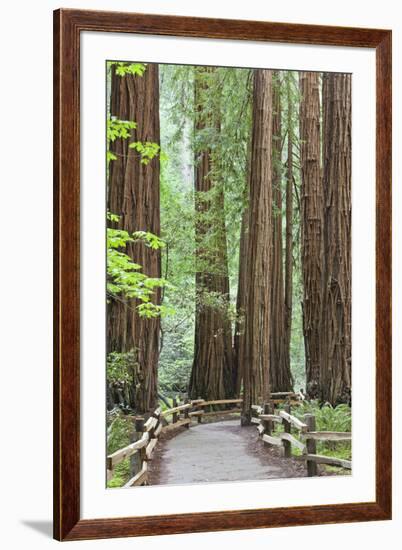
x=221 y=451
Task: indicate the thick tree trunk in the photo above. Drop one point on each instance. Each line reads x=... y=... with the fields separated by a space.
x=212 y=370
x=259 y=254
x=289 y=224
x=311 y=226
x=336 y=345
x=133 y=194
x=280 y=375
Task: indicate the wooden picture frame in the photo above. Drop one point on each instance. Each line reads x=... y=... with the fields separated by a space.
x=68 y=24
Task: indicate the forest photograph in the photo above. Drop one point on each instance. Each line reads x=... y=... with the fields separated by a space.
x=228 y=274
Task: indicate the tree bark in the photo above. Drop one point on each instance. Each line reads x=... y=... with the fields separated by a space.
x=133 y=194
x=280 y=375
x=289 y=223
x=212 y=370
x=259 y=254
x=311 y=227
x=336 y=346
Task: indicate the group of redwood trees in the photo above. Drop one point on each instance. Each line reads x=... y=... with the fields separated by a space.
x=325 y=134
x=250 y=352
x=256 y=359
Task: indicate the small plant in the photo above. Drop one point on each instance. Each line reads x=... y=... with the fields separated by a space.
x=121 y=474
x=327 y=417
x=118 y=431
x=118 y=436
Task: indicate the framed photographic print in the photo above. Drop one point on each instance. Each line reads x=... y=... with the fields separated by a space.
x=222 y=274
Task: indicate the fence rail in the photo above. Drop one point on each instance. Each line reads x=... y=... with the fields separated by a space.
x=329 y=436
x=265 y=417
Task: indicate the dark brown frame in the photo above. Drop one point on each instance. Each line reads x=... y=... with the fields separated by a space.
x=68 y=25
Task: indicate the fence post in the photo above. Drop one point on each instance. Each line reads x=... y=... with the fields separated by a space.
x=311 y=445
x=187 y=413
x=174 y=416
x=268 y=409
x=152 y=432
x=287 y=446
x=135 y=459
x=143 y=457
x=199 y=416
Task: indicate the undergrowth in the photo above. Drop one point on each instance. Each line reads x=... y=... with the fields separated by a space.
x=328 y=419
x=118 y=436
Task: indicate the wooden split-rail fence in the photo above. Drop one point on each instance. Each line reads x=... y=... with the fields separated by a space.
x=297 y=433
x=265 y=417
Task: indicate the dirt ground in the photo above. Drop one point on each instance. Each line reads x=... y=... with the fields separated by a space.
x=220 y=451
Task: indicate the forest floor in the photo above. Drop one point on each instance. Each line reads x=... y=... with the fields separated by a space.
x=220 y=451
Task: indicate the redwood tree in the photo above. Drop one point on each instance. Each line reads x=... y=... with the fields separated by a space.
x=311 y=226
x=280 y=375
x=289 y=219
x=258 y=269
x=212 y=369
x=133 y=194
x=336 y=320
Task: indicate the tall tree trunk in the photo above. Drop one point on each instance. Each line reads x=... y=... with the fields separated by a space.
x=259 y=256
x=238 y=346
x=336 y=349
x=280 y=375
x=212 y=374
x=311 y=226
x=133 y=194
x=289 y=223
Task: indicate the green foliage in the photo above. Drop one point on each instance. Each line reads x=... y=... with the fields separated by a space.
x=110 y=156
x=124 y=277
x=148 y=310
x=118 y=431
x=118 y=436
x=116 y=128
x=175 y=373
x=123 y=68
x=150 y=239
x=328 y=418
x=119 y=367
x=121 y=474
x=112 y=217
x=148 y=150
